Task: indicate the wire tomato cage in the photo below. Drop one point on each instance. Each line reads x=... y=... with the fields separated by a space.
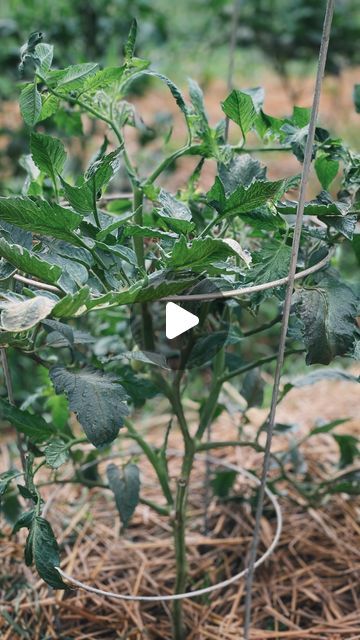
x=206 y=590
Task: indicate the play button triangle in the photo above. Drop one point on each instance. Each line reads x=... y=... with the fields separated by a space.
x=178 y=320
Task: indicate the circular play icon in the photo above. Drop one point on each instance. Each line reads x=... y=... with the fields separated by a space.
x=185 y=334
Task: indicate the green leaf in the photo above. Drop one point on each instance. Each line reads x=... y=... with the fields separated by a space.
x=56 y=453
x=329 y=426
x=239 y=107
x=7 y=476
x=241 y=170
x=72 y=305
x=357 y=97
x=314 y=208
x=129 y=49
x=135 y=230
x=243 y=199
x=98 y=400
x=24 y=314
x=102 y=170
x=30 y=104
x=326 y=169
x=43 y=549
x=271 y=263
x=349 y=448
x=201 y=252
x=40 y=216
x=158 y=285
x=175 y=214
x=80 y=198
x=327 y=312
x=45 y=53
x=98 y=176
x=50 y=105
x=223 y=482
x=29 y=262
x=102 y=79
x=72 y=78
x=48 y=154
x=125 y=486
x=34 y=427
x=25 y=521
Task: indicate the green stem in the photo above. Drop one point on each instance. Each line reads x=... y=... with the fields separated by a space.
x=210 y=406
x=255 y=364
x=156 y=463
x=263 y=327
x=138 y=219
x=166 y=163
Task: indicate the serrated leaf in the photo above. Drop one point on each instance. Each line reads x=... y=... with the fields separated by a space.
x=102 y=79
x=174 y=212
x=125 y=486
x=271 y=263
x=48 y=154
x=50 y=105
x=22 y=315
x=29 y=262
x=43 y=550
x=56 y=453
x=40 y=216
x=200 y=252
x=73 y=78
x=44 y=53
x=34 y=427
x=30 y=104
x=241 y=170
x=243 y=199
x=129 y=49
x=314 y=208
x=326 y=169
x=98 y=400
x=239 y=107
x=327 y=312
x=159 y=285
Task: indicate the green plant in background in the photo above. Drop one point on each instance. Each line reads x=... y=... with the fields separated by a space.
x=73 y=261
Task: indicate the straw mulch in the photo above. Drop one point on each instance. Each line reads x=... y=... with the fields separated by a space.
x=309 y=589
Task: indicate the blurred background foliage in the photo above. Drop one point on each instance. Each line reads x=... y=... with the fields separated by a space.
x=195 y=32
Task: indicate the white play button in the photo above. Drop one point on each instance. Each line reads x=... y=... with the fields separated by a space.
x=178 y=320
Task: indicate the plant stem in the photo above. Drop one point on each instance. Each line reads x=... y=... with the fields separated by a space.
x=255 y=364
x=10 y=394
x=138 y=219
x=179 y=528
x=210 y=406
x=156 y=462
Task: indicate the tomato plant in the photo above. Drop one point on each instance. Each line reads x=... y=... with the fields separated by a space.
x=72 y=254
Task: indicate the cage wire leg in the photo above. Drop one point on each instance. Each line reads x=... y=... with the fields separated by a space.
x=229 y=86
x=330 y=5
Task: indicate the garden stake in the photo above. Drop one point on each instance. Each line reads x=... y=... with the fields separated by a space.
x=287 y=306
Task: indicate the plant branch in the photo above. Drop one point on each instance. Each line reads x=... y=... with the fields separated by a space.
x=10 y=394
